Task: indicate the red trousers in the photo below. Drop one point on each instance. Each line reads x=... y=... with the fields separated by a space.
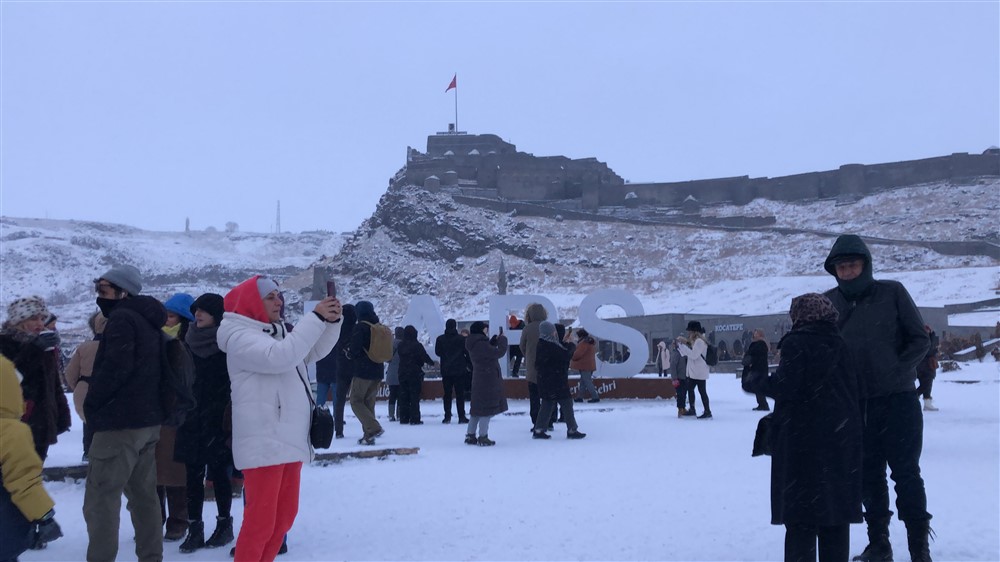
x=272 y=501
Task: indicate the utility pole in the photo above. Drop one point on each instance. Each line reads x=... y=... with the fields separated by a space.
x=277 y=222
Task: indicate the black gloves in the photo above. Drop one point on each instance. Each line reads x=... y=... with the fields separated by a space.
x=46 y=340
x=45 y=530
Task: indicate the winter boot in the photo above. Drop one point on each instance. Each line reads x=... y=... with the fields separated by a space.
x=878 y=549
x=470 y=439
x=176 y=528
x=690 y=412
x=705 y=416
x=575 y=435
x=540 y=435
x=195 y=538
x=223 y=534
x=929 y=405
x=485 y=441
x=917 y=535
x=681 y=412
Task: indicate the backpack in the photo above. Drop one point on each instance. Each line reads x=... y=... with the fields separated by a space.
x=711 y=355
x=176 y=380
x=380 y=348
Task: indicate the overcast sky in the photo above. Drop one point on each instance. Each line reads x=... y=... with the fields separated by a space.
x=147 y=113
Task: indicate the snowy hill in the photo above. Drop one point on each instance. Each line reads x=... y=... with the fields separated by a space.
x=419 y=242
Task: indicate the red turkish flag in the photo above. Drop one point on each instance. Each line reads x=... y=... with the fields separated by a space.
x=454 y=84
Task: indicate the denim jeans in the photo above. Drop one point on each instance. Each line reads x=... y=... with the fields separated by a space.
x=322 y=388
x=587 y=384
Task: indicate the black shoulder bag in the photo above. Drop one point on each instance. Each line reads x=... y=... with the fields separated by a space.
x=320 y=422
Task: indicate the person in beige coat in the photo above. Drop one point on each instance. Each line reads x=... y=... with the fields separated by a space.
x=78 y=372
x=533 y=316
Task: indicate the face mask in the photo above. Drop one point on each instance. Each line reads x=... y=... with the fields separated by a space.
x=107 y=305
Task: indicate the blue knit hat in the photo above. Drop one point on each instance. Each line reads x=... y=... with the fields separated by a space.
x=180 y=304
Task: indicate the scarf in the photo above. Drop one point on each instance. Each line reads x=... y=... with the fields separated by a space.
x=202 y=341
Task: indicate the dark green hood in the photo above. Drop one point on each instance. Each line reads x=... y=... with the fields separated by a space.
x=846 y=245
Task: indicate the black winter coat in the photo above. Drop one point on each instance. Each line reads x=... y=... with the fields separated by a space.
x=757 y=352
x=412 y=358
x=125 y=387
x=881 y=325
x=204 y=437
x=450 y=347
x=326 y=368
x=816 y=431
x=361 y=339
x=552 y=364
x=488 y=397
x=43 y=394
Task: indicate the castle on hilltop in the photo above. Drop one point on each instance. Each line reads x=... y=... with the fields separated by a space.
x=485 y=166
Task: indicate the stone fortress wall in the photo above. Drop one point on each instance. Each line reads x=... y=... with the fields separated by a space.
x=487 y=166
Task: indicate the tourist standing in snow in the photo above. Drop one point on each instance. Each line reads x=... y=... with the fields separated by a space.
x=927 y=371
x=663 y=357
x=885 y=333
x=450 y=348
x=584 y=361
x=79 y=370
x=203 y=440
x=392 y=374
x=816 y=434
x=488 y=397
x=171 y=475
x=345 y=368
x=678 y=372
x=412 y=358
x=552 y=367
x=32 y=349
x=693 y=348
x=755 y=361
x=533 y=316
x=515 y=356
x=26 y=509
x=367 y=373
x=326 y=380
x=271 y=405
x=124 y=406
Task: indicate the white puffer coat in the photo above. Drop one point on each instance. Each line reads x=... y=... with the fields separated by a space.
x=271 y=408
x=697 y=369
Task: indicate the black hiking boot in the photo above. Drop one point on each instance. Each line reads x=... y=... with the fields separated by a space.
x=918 y=534
x=485 y=441
x=878 y=549
x=540 y=435
x=575 y=435
x=470 y=439
x=195 y=537
x=223 y=533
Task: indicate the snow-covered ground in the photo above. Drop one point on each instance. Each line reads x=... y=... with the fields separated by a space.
x=643 y=485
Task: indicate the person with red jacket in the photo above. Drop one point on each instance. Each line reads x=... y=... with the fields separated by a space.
x=272 y=404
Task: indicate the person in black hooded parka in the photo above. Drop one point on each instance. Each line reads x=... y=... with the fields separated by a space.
x=412 y=358
x=450 y=347
x=345 y=369
x=815 y=434
x=885 y=334
x=203 y=439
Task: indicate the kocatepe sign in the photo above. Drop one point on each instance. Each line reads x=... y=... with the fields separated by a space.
x=424 y=313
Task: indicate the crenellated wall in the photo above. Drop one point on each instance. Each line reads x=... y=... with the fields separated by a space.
x=495 y=164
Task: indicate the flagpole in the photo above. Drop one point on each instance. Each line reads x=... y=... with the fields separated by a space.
x=456 y=107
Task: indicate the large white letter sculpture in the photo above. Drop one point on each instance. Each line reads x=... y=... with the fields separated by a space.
x=424 y=314
x=499 y=307
x=602 y=329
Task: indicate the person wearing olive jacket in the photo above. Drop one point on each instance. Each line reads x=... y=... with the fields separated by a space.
x=885 y=334
x=272 y=405
x=815 y=434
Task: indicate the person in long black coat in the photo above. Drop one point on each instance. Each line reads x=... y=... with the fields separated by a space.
x=450 y=347
x=412 y=358
x=816 y=434
x=345 y=368
x=755 y=360
x=552 y=366
x=204 y=438
x=488 y=397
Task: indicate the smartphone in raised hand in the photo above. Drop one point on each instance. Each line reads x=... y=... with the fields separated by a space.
x=331 y=288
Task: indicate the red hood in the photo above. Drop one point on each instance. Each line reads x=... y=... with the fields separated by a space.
x=245 y=300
